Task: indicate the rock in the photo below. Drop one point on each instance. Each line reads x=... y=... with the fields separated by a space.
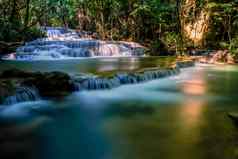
x=234 y=118
x=129 y=111
x=219 y=56
x=53 y=84
x=17 y=85
x=184 y=64
x=230 y=59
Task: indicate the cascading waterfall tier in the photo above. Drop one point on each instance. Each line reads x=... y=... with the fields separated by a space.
x=100 y=83
x=122 y=79
x=97 y=83
x=35 y=86
x=22 y=94
x=67 y=44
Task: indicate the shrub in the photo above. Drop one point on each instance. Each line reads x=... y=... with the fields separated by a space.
x=234 y=47
x=158 y=48
x=32 y=34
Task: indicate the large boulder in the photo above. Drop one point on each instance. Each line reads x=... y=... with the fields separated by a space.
x=234 y=118
x=53 y=84
x=219 y=56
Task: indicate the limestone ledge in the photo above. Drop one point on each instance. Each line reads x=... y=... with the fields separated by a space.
x=20 y=86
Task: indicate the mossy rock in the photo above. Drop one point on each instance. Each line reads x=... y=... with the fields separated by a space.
x=51 y=84
x=234 y=118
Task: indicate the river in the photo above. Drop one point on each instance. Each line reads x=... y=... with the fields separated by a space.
x=182 y=116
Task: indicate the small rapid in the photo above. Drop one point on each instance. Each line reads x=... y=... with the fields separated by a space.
x=22 y=94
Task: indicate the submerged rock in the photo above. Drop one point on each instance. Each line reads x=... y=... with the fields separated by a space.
x=234 y=118
x=129 y=111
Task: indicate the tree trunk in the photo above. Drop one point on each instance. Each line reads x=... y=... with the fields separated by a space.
x=13 y=13
x=179 y=26
x=26 y=21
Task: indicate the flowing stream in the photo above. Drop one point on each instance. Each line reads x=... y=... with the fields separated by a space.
x=183 y=116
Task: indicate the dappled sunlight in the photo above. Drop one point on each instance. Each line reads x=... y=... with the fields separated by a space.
x=197 y=28
x=191 y=112
x=196 y=86
x=193 y=105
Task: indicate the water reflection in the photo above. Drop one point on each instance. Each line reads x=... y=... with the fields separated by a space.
x=191 y=112
x=196 y=85
x=193 y=105
x=89 y=65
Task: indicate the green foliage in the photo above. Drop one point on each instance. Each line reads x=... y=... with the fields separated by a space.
x=146 y=21
x=223 y=25
x=158 y=48
x=32 y=34
x=17 y=22
x=172 y=40
x=234 y=46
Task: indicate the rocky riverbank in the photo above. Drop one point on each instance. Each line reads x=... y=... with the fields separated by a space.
x=219 y=56
x=19 y=86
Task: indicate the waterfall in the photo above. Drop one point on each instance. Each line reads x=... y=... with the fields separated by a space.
x=97 y=83
x=23 y=94
x=64 y=44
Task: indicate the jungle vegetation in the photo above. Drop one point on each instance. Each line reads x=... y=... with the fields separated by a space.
x=175 y=25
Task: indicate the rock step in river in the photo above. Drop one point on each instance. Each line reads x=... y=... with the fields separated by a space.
x=33 y=86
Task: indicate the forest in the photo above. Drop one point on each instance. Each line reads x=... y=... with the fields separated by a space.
x=162 y=25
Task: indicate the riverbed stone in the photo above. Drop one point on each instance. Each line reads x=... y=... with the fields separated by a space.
x=234 y=117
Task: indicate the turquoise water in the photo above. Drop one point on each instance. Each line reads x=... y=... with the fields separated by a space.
x=184 y=116
x=89 y=65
